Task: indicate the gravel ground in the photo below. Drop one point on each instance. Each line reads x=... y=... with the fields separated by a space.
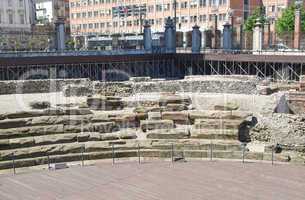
x=19 y=102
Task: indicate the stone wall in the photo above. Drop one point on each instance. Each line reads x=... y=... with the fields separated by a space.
x=39 y=86
x=201 y=84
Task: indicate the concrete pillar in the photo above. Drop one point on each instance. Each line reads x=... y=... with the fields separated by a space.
x=215 y=40
x=85 y=42
x=170 y=36
x=241 y=37
x=147 y=37
x=227 y=36
x=60 y=34
x=196 y=39
x=52 y=72
x=297 y=29
x=185 y=39
x=267 y=35
x=257 y=37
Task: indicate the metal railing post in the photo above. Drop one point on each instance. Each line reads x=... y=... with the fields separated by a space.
x=49 y=167
x=112 y=154
x=139 y=156
x=172 y=153
x=14 y=167
x=211 y=151
x=243 y=154
x=82 y=153
x=272 y=155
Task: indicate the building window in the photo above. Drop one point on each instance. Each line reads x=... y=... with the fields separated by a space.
x=202 y=3
x=21 y=18
x=158 y=7
x=150 y=8
x=20 y=3
x=184 y=4
x=10 y=3
x=166 y=7
x=10 y=18
x=202 y=18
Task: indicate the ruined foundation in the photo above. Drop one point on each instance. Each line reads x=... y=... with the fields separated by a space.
x=83 y=119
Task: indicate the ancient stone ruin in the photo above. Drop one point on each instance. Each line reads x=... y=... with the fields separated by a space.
x=108 y=118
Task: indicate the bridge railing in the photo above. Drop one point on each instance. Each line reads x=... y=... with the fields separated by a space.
x=70 y=53
x=235 y=51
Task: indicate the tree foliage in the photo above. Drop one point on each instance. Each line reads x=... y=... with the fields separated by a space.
x=257 y=14
x=285 y=23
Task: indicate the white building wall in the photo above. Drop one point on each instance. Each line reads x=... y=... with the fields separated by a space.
x=20 y=13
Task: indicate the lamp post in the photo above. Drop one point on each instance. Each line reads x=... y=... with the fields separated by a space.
x=297 y=24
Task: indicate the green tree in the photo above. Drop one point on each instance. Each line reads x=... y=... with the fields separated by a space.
x=285 y=23
x=257 y=14
x=70 y=44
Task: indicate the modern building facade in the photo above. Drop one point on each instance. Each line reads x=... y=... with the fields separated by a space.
x=16 y=15
x=16 y=20
x=108 y=17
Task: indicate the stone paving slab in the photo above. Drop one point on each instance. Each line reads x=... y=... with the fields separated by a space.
x=154 y=180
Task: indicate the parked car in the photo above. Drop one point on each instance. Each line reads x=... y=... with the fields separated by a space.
x=281 y=47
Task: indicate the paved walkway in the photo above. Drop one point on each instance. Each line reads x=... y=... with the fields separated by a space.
x=160 y=180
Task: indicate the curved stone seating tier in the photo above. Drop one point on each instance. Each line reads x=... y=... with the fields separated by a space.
x=97 y=151
x=64 y=135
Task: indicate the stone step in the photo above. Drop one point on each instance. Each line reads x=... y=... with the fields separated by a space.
x=219 y=124
x=220 y=134
x=213 y=114
x=144 y=153
x=168 y=134
x=178 y=117
x=65 y=138
x=156 y=124
x=174 y=99
x=102 y=127
x=130 y=118
x=47 y=112
x=129 y=142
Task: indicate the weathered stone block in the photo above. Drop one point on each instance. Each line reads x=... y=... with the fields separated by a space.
x=77 y=90
x=154 y=116
x=227 y=106
x=218 y=124
x=211 y=114
x=21 y=142
x=177 y=117
x=40 y=104
x=174 y=99
x=55 y=139
x=156 y=124
x=220 y=134
x=66 y=120
x=83 y=137
x=4 y=144
x=168 y=134
x=95 y=136
x=23 y=114
x=105 y=103
x=175 y=107
x=104 y=127
x=14 y=123
x=109 y=136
